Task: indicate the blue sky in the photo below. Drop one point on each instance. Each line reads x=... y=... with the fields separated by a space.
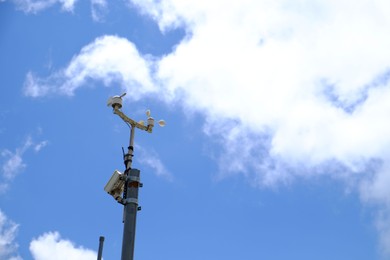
x=276 y=144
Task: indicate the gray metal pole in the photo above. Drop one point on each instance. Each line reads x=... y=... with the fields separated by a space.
x=130 y=212
x=132 y=179
x=130 y=202
x=100 y=253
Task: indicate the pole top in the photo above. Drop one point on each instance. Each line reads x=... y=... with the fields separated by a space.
x=116 y=101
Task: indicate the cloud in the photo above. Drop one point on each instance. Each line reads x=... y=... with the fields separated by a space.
x=8 y=232
x=40 y=145
x=109 y=59
x=14 y=163
x=151 y=159
x=288 y=90
x=98 y=9
x=51 y=246
x=35 y=6
x=311 y=78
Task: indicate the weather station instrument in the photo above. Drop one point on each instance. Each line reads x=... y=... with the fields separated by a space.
x=123 y=187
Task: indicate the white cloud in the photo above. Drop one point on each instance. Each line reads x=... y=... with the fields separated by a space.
x=109 y=59
x=304 y=75
x=151 y=159
x=288 y=89
x=14 y=164
x=8 y=232
x=40 y=145
x=98 y=9
x=51 y=246
x=35 y=6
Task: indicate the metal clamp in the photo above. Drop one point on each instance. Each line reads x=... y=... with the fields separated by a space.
x=133 y=178
x=131 y=200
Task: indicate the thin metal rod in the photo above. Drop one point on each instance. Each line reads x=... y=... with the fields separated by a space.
x=128 y=160
x=131 y=203
x=100 y=253
x=131 y=144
